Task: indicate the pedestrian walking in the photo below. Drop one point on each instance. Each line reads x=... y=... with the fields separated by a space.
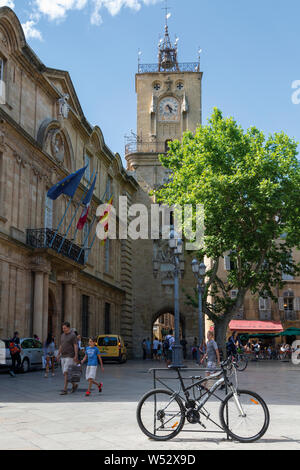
x=49 y=353
x=68 y=353
x=183 y=343
x=168 y=346
x=92 y=355
x=15 y=353
x=159 y=351
x=155 y=348
x=212 y=354
x=148 y=345
x=195 y=349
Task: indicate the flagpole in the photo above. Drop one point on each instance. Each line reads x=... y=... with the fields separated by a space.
x=78 y=207
x=92 y=244
x=75 y=234
x=86 y=238
x=93 y=223
x=60 y=223
x=94 y=238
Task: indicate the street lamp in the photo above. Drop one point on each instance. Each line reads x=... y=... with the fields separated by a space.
x=199 y=271
x=176 y=245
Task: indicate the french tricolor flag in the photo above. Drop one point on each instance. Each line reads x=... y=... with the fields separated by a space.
x=86 y=203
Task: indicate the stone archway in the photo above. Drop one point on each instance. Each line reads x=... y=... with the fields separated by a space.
x=163 y=321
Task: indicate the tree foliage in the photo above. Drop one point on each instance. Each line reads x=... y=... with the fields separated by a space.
x=249 y=186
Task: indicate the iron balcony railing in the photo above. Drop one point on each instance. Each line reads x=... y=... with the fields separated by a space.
x=42 y=238
x=290 y=315
x=183 y=67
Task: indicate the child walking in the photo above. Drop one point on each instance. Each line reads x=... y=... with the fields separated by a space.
x=92 y=355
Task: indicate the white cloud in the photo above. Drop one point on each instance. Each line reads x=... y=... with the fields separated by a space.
x=30 y=31
x=7 y=3
x=58 y=9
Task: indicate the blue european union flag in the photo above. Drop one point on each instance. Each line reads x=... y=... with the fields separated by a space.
x=67 y=186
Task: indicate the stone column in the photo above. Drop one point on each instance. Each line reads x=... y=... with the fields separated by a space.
x=38 y=303
x=69 y=303
x=45 y=306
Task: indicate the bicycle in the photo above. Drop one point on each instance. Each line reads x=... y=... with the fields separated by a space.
x=162 y=413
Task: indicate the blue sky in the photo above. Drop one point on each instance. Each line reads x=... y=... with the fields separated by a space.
x=250 y=55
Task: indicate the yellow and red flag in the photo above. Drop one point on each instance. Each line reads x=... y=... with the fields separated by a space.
x=104 y=220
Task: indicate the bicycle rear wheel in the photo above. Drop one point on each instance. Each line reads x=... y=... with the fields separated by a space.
x=252 y=424
x=160 y=415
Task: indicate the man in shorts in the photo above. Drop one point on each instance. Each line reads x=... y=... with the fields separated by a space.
x=169 y=344
x=68 y=353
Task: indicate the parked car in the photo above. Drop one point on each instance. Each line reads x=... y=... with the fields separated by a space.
x=31 y=354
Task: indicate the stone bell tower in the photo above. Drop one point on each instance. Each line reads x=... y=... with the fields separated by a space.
x=168 y=104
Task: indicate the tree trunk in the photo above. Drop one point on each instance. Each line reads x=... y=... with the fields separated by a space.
x=220 y=335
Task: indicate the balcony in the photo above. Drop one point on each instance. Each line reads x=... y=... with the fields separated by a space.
x=42 y=239
x=183 y=67
x=137 y=146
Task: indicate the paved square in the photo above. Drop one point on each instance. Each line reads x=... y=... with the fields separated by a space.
x=34 y=416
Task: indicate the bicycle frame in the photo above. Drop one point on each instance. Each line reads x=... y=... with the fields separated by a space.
x=207 y=394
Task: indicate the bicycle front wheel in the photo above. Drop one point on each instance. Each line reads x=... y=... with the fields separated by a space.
x=160 y=415
x=248 y=416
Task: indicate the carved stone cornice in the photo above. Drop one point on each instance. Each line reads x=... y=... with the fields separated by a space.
x=68 y=277
x=40 y=264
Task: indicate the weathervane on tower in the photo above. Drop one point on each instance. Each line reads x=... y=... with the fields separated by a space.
x=167 y=53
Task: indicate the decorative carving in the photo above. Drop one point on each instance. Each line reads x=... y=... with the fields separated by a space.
x=3 y=39
x=169 y=84
x=63 y=106
x=58 y=145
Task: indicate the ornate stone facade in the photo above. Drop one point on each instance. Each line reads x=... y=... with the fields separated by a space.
x=44 y=136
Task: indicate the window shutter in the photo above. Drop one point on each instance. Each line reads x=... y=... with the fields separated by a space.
x=281 y=304
x=268 y=303
x=227 y=263
x=297 y=304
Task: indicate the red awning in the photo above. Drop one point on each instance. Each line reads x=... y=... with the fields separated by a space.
x=255 y=325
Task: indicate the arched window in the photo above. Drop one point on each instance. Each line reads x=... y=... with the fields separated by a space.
x=48 y=212
x=288 y=301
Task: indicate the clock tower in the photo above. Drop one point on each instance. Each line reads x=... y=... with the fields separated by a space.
x=168 y=104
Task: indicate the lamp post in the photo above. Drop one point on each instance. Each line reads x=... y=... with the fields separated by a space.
x=176 y=245
x=169 y=264
x=199 y=270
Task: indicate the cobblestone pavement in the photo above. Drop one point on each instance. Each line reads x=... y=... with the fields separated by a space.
x=34 y=416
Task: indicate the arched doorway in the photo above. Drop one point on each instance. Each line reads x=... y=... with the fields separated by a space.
x=52 y=317
x=163 y=323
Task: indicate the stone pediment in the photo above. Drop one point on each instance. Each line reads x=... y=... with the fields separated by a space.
x=61 y=81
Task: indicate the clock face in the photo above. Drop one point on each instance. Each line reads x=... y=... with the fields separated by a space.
x=169 y=109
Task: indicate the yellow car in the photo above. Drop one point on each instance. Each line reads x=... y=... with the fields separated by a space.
x=112 y=348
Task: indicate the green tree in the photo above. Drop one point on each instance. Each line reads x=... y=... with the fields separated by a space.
x=249 y=186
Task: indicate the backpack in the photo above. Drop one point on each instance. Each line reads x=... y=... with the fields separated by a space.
x=13 y=348
x=166 y=344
